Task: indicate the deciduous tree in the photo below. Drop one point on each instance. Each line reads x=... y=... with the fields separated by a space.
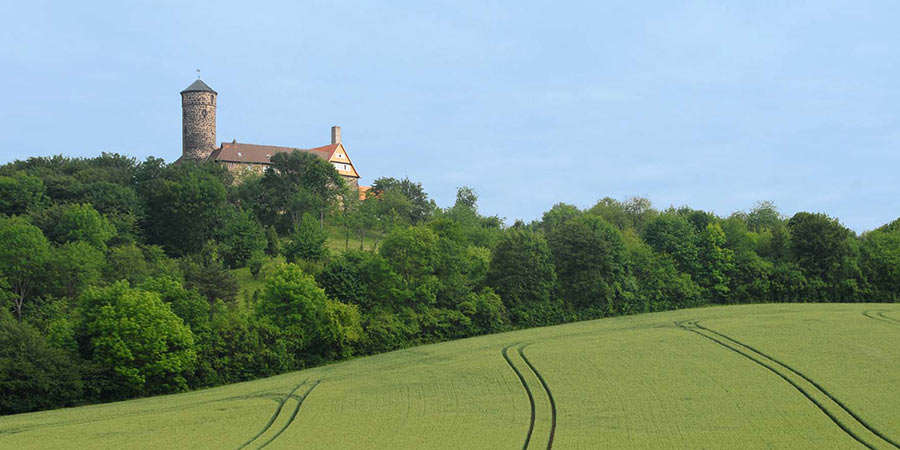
x=23 y=253
x=135 y=341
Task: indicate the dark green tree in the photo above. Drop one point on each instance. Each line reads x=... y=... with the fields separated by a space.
x=673 y=235
x=418 y=207
x=273 y=242
x=880 y=263
x=33 y=374
x=827 y=253
x=591 y=265
x=136 y=264
x=206 y=273
x=658 y=284
x=297 y=183
x=361 y=278
x=20 y=194
x=241 y=348
x=241 y=237
x=185 y=207
x=522 y=273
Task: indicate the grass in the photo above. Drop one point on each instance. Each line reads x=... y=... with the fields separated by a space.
x=337 y=240
x=336 y=243
x=247 y=284
x=759 y=376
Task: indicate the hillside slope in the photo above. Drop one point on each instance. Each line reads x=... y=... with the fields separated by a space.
x=760 y=376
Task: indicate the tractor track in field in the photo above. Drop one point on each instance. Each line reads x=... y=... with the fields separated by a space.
x=27 y=428
x=528 y=436
x=830 y=406
x=277 y=413
x=878 y=314
x=549 y=395
x=293 y=414
x=505 y=353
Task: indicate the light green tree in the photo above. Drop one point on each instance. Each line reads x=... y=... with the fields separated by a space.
x=23 y=253
x=74 y=266
x=716 y=262
x=307 y=242
x=135 y=340
x=315 y=326
x=414 y=254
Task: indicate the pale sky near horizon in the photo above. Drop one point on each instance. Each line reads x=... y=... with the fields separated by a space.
x=712 y=104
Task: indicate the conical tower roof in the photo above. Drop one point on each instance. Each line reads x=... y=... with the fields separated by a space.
x=199 y=86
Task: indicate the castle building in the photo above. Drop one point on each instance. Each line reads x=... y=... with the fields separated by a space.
x=198 y=121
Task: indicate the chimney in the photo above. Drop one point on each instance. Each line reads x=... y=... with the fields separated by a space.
x=335 y=135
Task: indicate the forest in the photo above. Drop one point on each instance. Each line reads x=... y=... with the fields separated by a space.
x=119 y=278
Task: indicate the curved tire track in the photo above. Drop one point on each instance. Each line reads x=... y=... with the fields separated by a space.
x=850 y=412
x=274 y=416
x=293 y=414
x=760 y=358
x=505 y=353
x=878 y=315
x=549 y=395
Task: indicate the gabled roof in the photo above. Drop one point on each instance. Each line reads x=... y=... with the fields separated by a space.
x=199 y=86
x=262 y=154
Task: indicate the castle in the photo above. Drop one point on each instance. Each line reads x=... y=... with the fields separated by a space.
x=198 y=120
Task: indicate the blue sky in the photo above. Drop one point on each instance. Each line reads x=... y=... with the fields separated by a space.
x=713 y=104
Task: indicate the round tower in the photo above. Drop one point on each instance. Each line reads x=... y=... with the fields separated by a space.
x=198 y=121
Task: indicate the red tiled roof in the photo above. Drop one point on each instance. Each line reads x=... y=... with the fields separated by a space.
x=260 y=154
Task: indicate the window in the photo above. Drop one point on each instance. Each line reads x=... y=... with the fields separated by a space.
x=239 y=154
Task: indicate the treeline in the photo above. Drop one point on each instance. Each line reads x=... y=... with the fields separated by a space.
x=118 y=276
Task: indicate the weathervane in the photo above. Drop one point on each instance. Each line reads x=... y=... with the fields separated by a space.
x=198 y=74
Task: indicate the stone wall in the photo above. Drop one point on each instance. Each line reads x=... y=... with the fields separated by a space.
x=351 y=182
x=240 y=170
x=198 y=120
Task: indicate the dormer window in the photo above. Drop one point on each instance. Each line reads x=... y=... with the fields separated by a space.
x=239 y=154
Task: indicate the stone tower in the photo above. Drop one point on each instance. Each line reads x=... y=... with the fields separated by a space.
x=198 y=121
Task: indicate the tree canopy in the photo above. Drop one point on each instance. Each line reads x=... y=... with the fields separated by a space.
x=123 y=278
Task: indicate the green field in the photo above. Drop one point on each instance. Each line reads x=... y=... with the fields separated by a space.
x=760 y=376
